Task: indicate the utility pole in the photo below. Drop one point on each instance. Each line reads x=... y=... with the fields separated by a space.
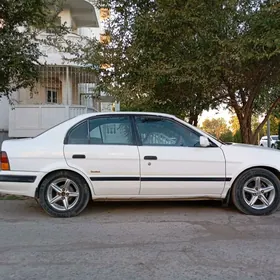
x=268 y=133
x=268 y=130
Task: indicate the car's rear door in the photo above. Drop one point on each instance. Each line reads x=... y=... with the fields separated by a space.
x=104 y=148
x=173 y=163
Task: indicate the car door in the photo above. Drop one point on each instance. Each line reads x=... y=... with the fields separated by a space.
x=172 y=161
x=103 y=147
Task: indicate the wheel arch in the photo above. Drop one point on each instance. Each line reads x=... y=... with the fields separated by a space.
x=269 y=168
x=68 y=170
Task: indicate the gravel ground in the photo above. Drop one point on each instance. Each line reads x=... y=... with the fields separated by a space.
x=143 y=240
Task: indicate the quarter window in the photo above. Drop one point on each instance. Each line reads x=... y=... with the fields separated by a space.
x=103 y=131
x=156 y=131
x=79 y=134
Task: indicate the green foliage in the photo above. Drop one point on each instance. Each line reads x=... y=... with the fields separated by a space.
x=185 y=56
x=237 y=137
x=20 y=22
x=216 y=127
x=234 y=124
x=227 y=136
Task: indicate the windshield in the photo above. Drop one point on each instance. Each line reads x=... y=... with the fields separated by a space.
x=212 y=136
x=215 y=138
x=274 y=137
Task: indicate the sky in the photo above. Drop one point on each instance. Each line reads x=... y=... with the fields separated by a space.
x=222 y=113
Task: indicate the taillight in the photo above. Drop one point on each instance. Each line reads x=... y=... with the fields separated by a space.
x=4 y=161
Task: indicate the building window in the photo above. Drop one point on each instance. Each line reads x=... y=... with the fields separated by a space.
x=51 y=96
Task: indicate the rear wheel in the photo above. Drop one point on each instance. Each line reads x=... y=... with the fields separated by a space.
x=64 y=194
x=257 y=192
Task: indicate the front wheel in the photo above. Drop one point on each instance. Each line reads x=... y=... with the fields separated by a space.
x=64 y=194
x=256 y=192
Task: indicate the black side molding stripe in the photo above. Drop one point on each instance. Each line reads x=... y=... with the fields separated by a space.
x=17 y=178
x=185 y=179
x=162 y=179
x=115 y=178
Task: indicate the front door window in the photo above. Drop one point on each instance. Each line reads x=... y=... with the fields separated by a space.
x=156 y=131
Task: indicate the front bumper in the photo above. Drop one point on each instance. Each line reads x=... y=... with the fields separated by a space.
x=19 y=183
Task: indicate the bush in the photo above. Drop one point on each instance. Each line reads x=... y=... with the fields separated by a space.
x=237 y=137
x=227 y=136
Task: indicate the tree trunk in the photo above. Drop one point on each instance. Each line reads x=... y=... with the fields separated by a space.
x=246 y=130
x=193 y=119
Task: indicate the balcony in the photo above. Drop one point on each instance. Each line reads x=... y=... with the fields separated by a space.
x=31 y=120
x=52 y=56
x=82 y=12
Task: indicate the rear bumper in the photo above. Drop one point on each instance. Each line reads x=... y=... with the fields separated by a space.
x=20 y=183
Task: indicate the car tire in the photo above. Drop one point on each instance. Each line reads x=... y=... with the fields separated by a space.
x=64 y=194
x=273 y=146
x=247 y=190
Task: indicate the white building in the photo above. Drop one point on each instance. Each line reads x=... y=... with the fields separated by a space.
x=64 y=90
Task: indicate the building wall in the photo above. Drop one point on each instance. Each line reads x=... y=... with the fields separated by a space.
x=4 y=119
x=3 y=136
x=54 y=78
x=4 y=114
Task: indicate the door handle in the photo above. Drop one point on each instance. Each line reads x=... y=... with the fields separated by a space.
x=150 y=158
x=78 y=156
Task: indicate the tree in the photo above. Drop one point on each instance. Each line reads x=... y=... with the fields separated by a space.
x=150 y=64
x=234 y=124
x=182 y=57
x=216 y=127
x=20 y=23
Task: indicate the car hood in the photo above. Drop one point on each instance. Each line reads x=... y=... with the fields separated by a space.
x=248 y=146
x=251 y=155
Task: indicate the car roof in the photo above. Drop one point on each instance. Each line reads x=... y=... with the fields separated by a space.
x=127 y=113
x=66 y=124
x=88 y=115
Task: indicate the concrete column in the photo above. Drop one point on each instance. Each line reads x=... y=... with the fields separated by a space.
x=67 y=88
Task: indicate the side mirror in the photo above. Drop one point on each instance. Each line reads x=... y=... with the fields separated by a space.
x=204 y=142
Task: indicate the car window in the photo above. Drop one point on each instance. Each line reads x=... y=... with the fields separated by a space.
x=156 y=131
x=274 y=137
x=110 y=130
x=102 y=131
x=79 y=134
x=264 y=138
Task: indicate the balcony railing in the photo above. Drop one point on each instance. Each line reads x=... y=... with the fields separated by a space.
x=53 y=56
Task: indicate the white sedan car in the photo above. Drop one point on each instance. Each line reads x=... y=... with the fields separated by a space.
x=137 y=156
x=274 y=140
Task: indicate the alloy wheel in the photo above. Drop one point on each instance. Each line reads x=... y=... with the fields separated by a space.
x=63 y=194
x=259 y=192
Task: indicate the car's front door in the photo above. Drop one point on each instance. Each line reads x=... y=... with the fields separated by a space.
x=172 y=161
x=104 y=148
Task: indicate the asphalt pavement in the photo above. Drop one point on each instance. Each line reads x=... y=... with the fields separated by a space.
x=143 y=240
